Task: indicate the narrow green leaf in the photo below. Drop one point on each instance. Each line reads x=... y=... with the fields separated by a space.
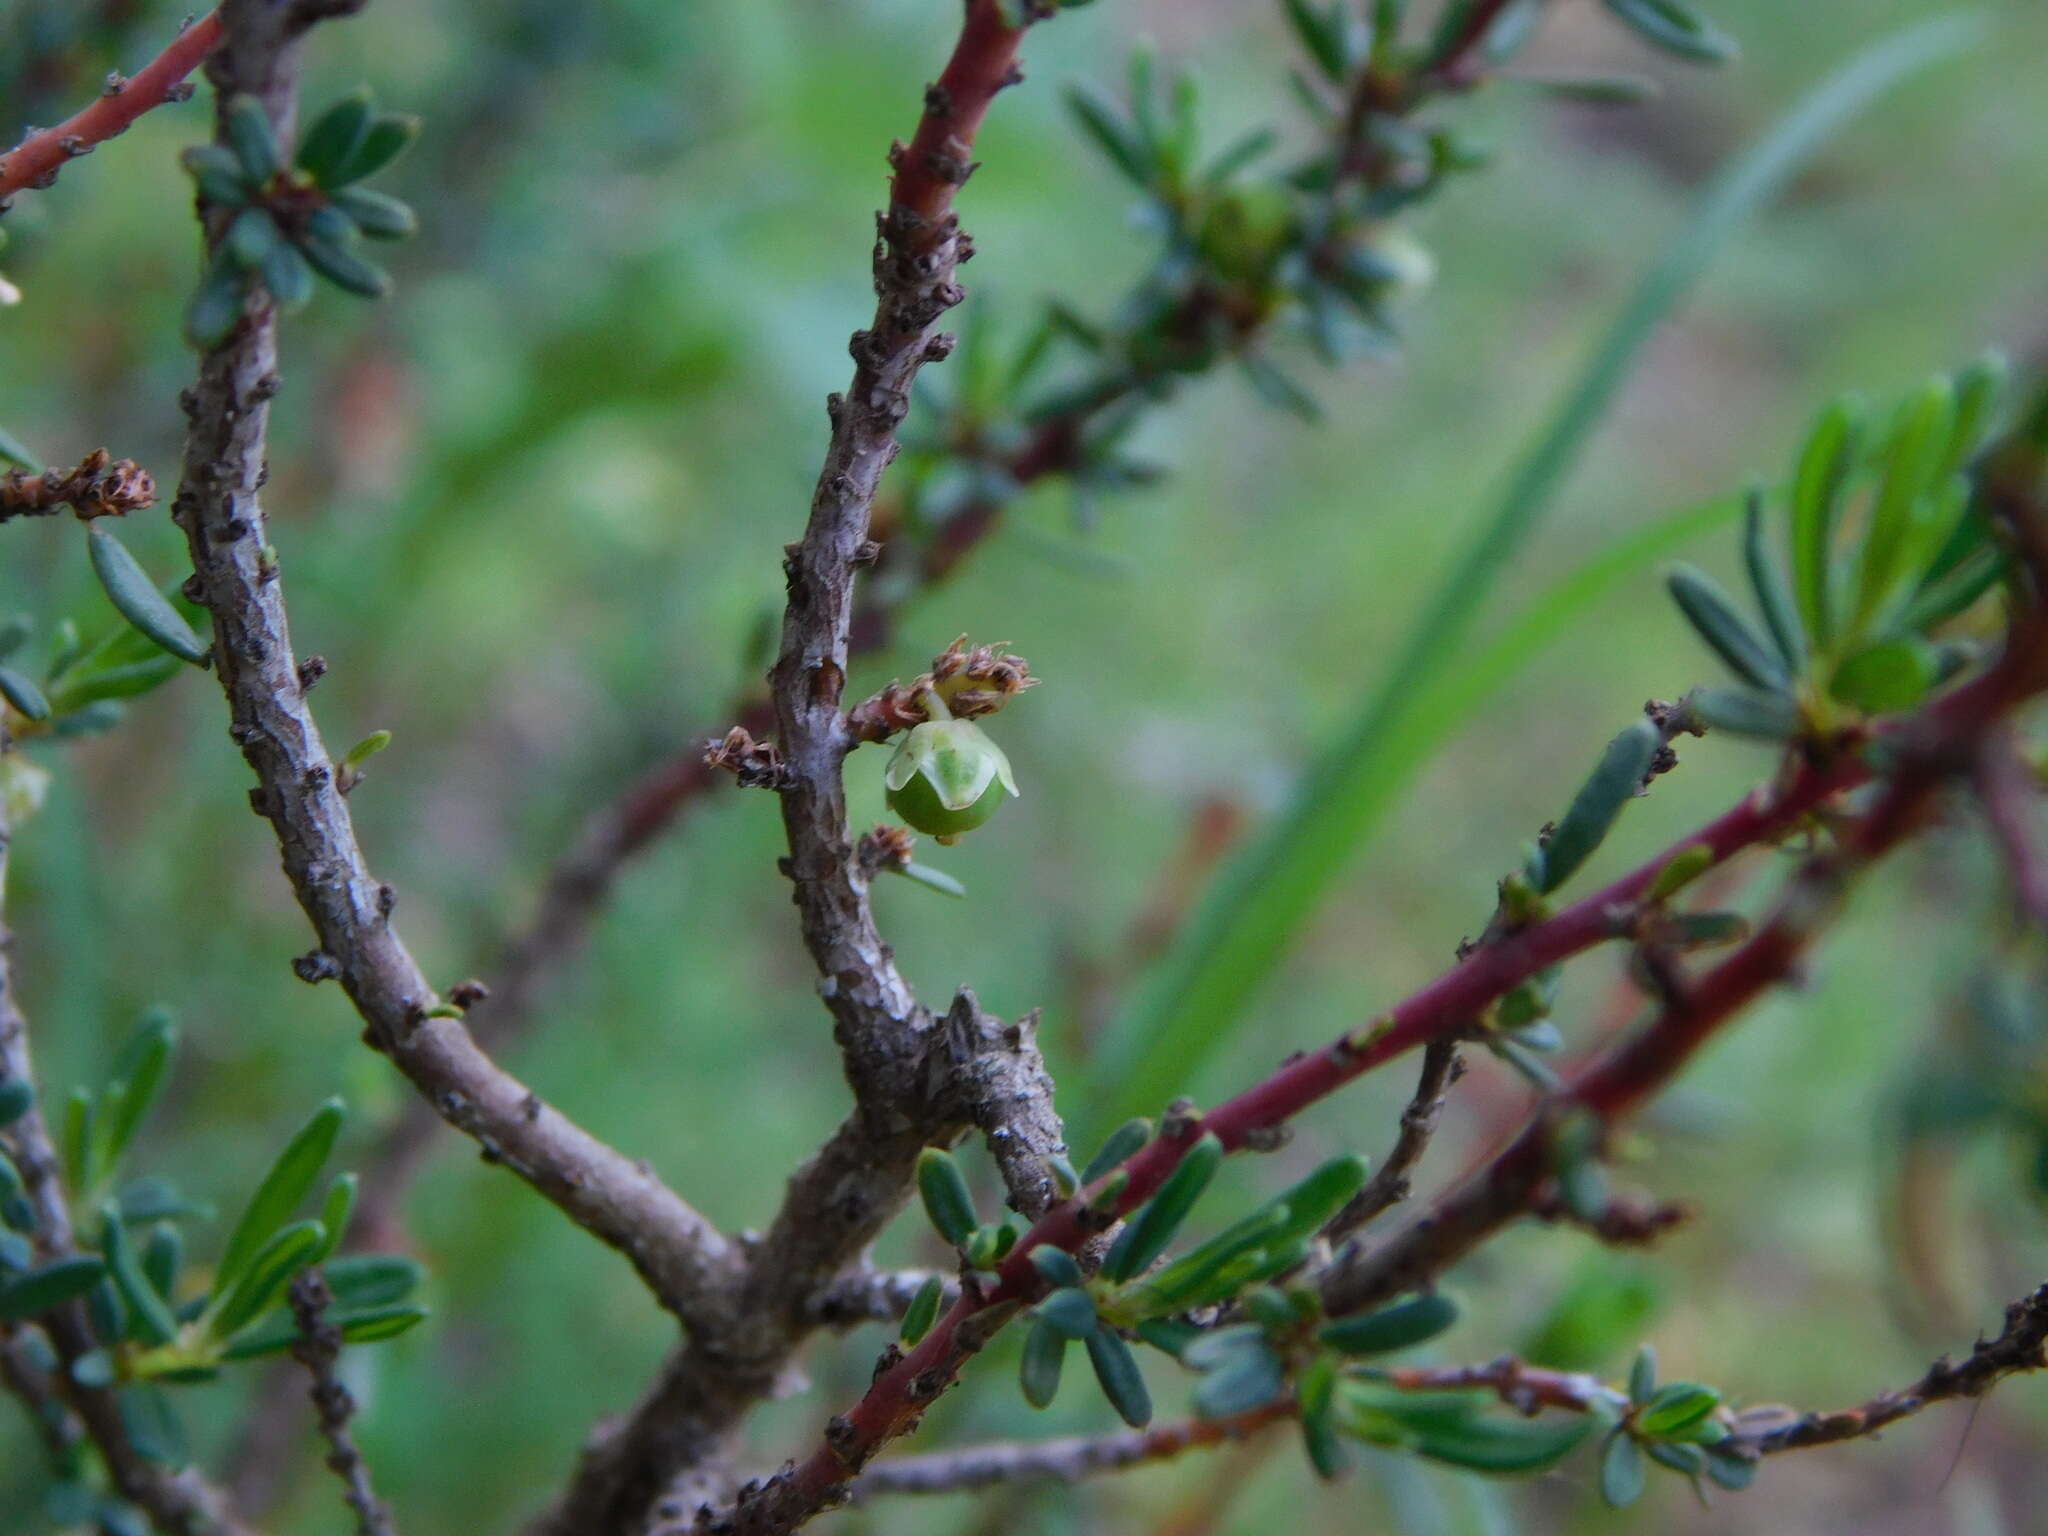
x=377 y=214
x=149 y=1317
x=923 y=1311
x=1152 y=1227
x=249 y=136
x=1045 y=1351
x=53 y=1285
x=1122 y=1144
x=368 y=1325
x=1505 y=1446
x=250 y=238
x=1393 y=1328
x=1642 y=1375
x=137 y=599
x=1249 y=919
x=1677 y=29
x=1911 y=458
x=287 y=274
x=17 y=1097
x=1056 y=1266
x=1623 y=1471
x=1122 y=1382
x=371 y=1279
x=1593 y=811
x=284 y=1188
x=947 y=1202
x=343 y=267
x=264 y=1278
x=141 y=1071
x=335 y=1210
x=1979 y=387
x=1321 y=33
x=76 y=1143
x=24 y=695
x=378 y=1324
x=1748 y=712
x=1102 y=122
x=1069 y=1312
x=1687 y=1459
x=1713 y=615
x=1311 y=1203
x=1773 y=592
x=163 y=1256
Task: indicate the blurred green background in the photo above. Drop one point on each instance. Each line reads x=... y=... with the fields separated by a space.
x=531 y=513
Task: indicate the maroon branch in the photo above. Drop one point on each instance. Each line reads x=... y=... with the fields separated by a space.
x=35 y=162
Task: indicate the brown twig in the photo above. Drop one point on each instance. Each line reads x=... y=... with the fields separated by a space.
x=1066 y=1460
x=1390 y=1184
x=2021 y=1345
x=684 y=1260
x=35 y=162
x=317 y=1348
x=101 y=486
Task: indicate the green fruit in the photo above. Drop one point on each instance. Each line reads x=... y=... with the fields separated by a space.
x=947 y=777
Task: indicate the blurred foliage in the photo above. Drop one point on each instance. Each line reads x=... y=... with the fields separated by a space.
x=531 y=511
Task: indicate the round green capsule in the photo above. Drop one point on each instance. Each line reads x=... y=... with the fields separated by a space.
x=947 y=777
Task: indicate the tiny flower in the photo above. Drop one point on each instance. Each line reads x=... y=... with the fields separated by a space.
x=947 y=777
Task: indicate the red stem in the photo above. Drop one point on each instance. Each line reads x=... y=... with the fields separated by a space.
x=36 y=161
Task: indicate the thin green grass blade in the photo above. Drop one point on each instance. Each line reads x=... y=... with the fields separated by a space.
x=1258 y=908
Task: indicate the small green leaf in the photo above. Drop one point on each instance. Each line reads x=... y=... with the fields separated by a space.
x=25 y=696
x=362 y=1280
x=335 y=136
x=1249 y=1380
x=140 y=1070
x=1123 y=1143
x=335 y=1210
x=1045 y=1351
x=1069 y=1312
x=1151 y=1228
x=1675 y=1406
x=1978 y=389
x=139 y=602
x=250 y=238
x=1122 y=1382
x=284 y=1188
x=923 y=1310
x=1056 y=1266
x=1911 y=459
x=149 y=1317
x=1687 y=1459
x=369 y=1325
x=1113 y=135
x=1829 y=456
x=946 y=1199
x=1748 y=712
x=249 y=136
x=378 y=215
x=1773 y=592
x=366 y=749
x=1677 y=29
x=343 y=267
x=1593 y=810
x=925 y=875
x=1890 y=676
x=1642 y=1375
x=1714 y=616
x=17 y=1097
x=1065 y=1181
x=1730 y=1470
x=218 y=174
x=1504 y=1445
x=53 y=1285
x=287 y=274
x=388 y=137
x=163 y=1255
x=263 y=1280
x=1623 y=1471
x=1311 y=1203
x=1393 y=1328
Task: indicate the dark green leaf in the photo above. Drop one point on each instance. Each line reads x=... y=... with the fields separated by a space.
x=1321 y=33
x=1069 y=1312
x=1168 y=1335
x=287 y=274
x=1056 y=1266
x=1045 y=1351
x=1677 y=29
x=250 y=238
x=1122 y=1383
x=1713 y=614
x=284 y=1188
x=249 y=136
x=51 y=1285
x=163 y=1255
x=217 y=174
x=1642 y=1375
x=140 y=1071
x=1593 y=810
x=335 y=136
x=268 y=1272
x=1748 y=712
x=947 y=1202
x=1123 y=1143
x=1828 y=458
x=923 y=1310
x=1504 y=1445
x=1623 y=1471
x=335 y=1210
x=1773 y=593
x=364 y=1325
x=343 y=267
x=1688 y=1459
x=1396 y=1327
x=81 y=687
x=388 y=137
x=24 y=695
x=1911 y=459
x=16 y=1099
x=371 y=1279
x=1152 y=1227
x=149 y=1317
x=377 y=215
x=139 y=602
